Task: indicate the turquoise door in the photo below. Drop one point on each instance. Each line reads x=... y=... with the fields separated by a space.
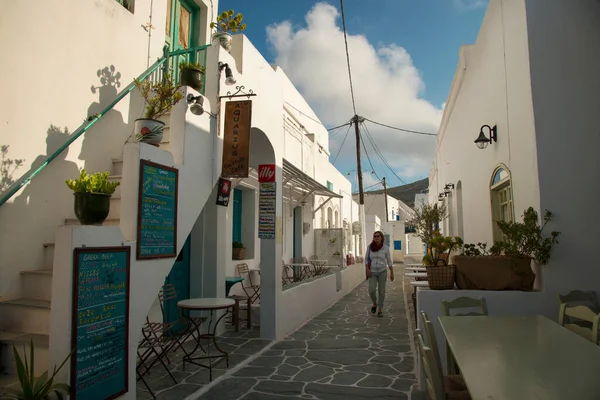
x=180 y=278
x=181 y=32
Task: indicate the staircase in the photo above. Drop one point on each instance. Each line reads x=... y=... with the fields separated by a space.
x=27 y=318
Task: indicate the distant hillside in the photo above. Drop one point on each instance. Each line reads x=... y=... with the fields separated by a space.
x=406 y=193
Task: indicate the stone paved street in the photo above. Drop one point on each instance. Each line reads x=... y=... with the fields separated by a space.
x=344 y=353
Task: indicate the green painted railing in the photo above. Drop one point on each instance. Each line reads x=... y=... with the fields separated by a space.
x=167 y=63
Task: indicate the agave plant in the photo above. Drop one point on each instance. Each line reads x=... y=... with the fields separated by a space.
x=33 y=388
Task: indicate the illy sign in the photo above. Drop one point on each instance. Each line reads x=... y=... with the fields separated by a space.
x=266 y=173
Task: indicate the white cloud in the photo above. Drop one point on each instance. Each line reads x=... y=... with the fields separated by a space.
x=470 y=4
x=387 y=89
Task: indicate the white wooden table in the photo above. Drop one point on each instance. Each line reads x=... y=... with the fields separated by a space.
x=415 y=269
x=416 y=274
x=212 y=305
x=522 y=358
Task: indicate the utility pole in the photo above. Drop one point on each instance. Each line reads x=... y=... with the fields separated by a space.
x=358 y=166
x=386 y=203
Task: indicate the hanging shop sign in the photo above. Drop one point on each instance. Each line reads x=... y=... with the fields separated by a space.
x=236 y=139
x=223 y=192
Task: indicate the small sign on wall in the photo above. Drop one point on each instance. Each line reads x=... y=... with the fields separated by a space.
x=223 y=192
x=267 y=201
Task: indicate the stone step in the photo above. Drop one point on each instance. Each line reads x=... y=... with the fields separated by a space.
x=21 y=341
x=37 y=284
x=25 y=315
x=115 y=208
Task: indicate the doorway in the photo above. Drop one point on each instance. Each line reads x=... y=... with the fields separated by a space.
x=298 y=234
x=180 y=278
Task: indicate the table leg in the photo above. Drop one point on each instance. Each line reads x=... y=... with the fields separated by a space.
x=210 y=335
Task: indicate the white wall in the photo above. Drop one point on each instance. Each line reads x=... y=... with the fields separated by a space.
x=564 y=45
x=492 y=87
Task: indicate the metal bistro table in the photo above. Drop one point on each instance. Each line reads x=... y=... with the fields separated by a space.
x=212 y=305
x=522 y=358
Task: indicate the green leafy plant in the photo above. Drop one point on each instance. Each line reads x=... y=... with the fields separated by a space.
x=159 y=97
x=238 y=245
x=426 y=220
x=472 y=250
x=95 y=183
x=525 y=239
x=192 y=65
x=33 y=388
x=228 y=22
x=439 y=245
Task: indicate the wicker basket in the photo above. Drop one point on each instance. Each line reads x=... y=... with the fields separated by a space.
x=441 y=277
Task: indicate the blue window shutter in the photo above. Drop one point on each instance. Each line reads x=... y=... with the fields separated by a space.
x=237 y=215
x=397 y=244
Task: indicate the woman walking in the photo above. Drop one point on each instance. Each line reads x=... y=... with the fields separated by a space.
x=377 y=261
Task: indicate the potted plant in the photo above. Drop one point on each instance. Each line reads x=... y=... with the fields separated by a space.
x=92 y=196
x=440 y=270
x=239 y=251
x=191 y=74
x=426 y=221
x=507 y=264
x=227 y=23
x=32 y=388
x=159 y=97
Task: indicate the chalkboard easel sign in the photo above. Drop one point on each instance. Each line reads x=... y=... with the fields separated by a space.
x=157 y=211
x=100 y=323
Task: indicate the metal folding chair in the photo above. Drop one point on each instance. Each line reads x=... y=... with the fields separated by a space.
x=251 y=290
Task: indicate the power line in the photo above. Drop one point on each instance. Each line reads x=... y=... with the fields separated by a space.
x=368 y=158
x=342 y=145
x=339 y=126
x=401 y=129
x=301 y=112
x=347 y=56
x=380 y=154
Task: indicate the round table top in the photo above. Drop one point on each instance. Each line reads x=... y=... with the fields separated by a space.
x=206 y=303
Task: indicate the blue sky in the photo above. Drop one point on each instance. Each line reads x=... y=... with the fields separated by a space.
x=416 y=41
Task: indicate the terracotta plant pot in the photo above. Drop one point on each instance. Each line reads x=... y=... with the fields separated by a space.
x=192 y=78
x=494 y=273
x=238 y=253
x=92 y=208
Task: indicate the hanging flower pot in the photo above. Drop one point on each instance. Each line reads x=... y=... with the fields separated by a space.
x=224 y=39
x=227 y=22
x=192 y=75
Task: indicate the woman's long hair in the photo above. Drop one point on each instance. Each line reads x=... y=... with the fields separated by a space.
x=373 y=246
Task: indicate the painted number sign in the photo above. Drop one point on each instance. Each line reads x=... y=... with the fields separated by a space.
x=157 y=211
x=100 y=323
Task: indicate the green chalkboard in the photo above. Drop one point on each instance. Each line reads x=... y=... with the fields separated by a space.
x=157 y=211
x=100 y=323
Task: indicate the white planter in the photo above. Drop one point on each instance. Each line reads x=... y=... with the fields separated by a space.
x=222 y=38
x=148 y=131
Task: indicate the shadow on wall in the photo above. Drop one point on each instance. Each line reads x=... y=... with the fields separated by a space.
x=8 y=167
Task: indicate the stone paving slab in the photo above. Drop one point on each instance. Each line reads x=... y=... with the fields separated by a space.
x=344 y=353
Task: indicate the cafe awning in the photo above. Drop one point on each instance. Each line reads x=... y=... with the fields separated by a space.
x=304 y=184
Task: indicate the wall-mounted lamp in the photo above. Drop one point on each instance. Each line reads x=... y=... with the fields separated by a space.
x=442 y=195
x=482 y=141
x=229 y=79
x=196 y=104
x=449 y=186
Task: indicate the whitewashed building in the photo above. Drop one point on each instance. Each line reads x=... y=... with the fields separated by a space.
x=94 y=50
x=531 y=81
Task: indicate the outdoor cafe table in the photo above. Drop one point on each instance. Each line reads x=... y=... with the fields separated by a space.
x=212 y=305
x=318 y=264
x=522 y=358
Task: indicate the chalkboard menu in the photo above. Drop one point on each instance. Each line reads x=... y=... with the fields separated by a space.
x=100 y=323
x=157 y=211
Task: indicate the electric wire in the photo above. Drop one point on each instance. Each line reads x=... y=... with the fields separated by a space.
x=347 y=56
x=342 y=145
x=401 y=129
x=340 y=126
x=368 y=158
x=380 y=154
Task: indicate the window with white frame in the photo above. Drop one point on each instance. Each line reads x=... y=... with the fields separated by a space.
x=128 y=4
x=502 y=201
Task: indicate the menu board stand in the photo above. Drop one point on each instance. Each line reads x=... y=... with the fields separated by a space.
x=100 y=323
x=157 y=211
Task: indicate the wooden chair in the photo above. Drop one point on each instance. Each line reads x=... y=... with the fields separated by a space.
x=436 y=387
x=579 y=298
x=251 y=290
x=457 y=304
x=581 y=313
x=457 y=380
x=235 y=318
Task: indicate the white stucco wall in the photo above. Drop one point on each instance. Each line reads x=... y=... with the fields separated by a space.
x=492 y=87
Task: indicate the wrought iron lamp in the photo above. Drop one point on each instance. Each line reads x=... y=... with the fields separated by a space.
x=482 y=140
x=196 y=104
x=443 y=194
x=229 y=79
x=449 y=186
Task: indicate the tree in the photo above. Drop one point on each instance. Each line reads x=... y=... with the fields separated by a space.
x=427 y=219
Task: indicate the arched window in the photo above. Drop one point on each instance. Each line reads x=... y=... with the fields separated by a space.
x=502 y=201
x=336 y=221
x=329 y=217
